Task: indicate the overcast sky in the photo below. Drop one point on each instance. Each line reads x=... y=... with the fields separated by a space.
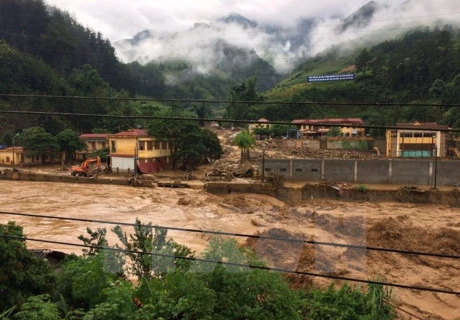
x=118 y=19
x=122 y=19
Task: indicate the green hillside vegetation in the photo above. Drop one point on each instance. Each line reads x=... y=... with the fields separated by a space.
x=44 y=51
x=420 y=67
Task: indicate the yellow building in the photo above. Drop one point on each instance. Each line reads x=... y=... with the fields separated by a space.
x=20 y=158
x=426 y=141
x=314 y=128
x=261 y=123
x=94 y=142
x=136 y=149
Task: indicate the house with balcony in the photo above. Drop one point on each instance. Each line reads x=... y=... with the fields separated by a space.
x=317 y=128
x=94 y=142
x=135 y=149
x=417 y=140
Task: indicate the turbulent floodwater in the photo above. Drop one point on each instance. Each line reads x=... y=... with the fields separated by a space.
x=394 y=225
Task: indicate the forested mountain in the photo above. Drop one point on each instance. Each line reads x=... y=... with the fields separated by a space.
x=420 y=67
x=55 y=37
x=45 y=51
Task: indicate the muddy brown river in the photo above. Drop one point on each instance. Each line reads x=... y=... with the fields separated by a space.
x=430 y=228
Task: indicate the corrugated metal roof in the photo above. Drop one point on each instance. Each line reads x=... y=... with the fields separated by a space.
x=94 y=136
x=10 y=149
x=418 y=125
x=329 y=121
x=132 y=133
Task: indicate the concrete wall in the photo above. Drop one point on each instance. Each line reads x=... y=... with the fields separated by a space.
x=417 y=172
x=339 y=170
x=281 y=167
x=347 y=144
x=411 y=171
x=373 y=171
x=447 y=172
x=306 y=169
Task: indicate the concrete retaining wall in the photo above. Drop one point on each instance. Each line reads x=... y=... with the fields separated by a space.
x=373 y=171
x=339 y=170
x=411 y=172
x=227 y=188
x=416 y=172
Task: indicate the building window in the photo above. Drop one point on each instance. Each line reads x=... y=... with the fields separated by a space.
x=283 y=169
x=141 y=145
x=113 y=146
x=298 y=170
x=149 y=145
x=103 y=145
x=7 y=159
x=93 y=145
x=157 y=145
x=164 y=145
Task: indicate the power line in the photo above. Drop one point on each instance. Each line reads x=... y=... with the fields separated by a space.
x=241 y=235
x=233 y=264
x=402 y=310
x=320 y=103
x=66 y=114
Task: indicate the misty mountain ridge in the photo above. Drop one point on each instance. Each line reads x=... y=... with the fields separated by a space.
x=236 y=48
x=200 y=43
x=362 y=17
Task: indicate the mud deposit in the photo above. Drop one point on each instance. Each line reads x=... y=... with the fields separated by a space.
x=418 y=227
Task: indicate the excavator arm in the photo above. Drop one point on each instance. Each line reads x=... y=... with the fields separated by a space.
x=84 y=168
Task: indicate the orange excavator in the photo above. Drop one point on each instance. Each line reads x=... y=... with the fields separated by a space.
x=87 y=167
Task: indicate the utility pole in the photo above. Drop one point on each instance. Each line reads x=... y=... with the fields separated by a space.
x=435 y=169
x=14 y=151
x=263 y=162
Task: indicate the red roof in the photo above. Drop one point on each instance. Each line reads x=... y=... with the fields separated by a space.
x=133 y=133
x=329 y=121
x=421 y=125
x=10 y=149
x=94 y=136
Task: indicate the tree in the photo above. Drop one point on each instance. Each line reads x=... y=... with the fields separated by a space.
x=83 y=279
x=87 y=82
x=245 y=141
x=347 y=303
x=246 y=91
x=36 y=141
x=69 y=142
x=37 y=307
x=151 y=253
x=213 y=149
x=279 y=130
x=261 y=131
x=243 y=292
x=334 y=132
x=190 y=144
x=22 y=273
x=362 y=61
